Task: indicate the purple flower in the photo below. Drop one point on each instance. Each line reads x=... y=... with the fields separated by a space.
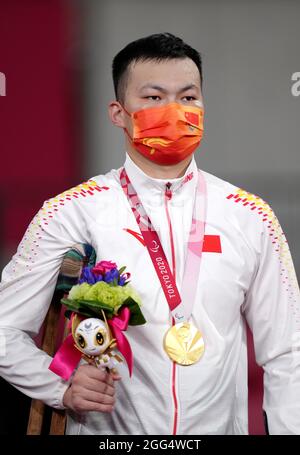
x=91 y=275
x=123 y=278
x=98 y=278
x=87 y=276
x=111 y=275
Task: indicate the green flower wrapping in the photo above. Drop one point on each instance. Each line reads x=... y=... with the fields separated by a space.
x=89 y=299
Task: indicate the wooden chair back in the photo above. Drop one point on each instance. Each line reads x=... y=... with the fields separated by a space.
x=42 y=418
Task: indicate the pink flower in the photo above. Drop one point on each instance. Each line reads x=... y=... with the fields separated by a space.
x=103 y=266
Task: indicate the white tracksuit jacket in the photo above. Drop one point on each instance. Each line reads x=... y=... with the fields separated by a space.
x=246 y=271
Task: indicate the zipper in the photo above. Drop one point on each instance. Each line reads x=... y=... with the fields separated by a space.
x=168 y=197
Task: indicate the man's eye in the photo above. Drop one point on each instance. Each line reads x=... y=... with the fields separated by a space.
x=189 y=98
x=153 y=97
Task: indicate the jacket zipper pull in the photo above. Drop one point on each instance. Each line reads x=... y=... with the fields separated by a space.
x=168 y=192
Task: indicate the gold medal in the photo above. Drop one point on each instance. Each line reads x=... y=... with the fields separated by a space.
x=184 y=343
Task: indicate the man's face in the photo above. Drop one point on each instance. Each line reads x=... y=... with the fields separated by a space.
x=152 y=83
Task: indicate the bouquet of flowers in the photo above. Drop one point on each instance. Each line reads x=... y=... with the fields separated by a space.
x=100 y=307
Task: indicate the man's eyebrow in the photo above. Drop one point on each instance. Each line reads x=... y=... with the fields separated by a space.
x=163 y=90
x=188 y=87
x=155 y=87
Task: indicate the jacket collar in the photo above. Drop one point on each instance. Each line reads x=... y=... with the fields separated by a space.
x=148 y=187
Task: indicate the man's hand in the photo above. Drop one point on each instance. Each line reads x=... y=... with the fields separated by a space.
x=92 y=389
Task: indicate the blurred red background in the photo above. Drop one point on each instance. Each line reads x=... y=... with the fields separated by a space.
x=39 y=114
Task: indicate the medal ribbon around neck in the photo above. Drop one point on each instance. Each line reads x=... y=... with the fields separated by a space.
x=181 y=308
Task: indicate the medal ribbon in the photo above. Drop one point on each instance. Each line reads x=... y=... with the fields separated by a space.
x=181 y=308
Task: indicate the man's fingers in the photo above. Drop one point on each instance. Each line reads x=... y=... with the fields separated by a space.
x=82 y=406
x=92 y=389
x=111 y=377
x=93 y=372
x=97 y=397
x=116 y=376
x=99 y=386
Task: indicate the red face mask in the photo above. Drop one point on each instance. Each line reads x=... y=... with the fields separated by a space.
x=167 y=134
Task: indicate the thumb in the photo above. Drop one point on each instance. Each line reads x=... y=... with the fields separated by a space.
x=116 y=376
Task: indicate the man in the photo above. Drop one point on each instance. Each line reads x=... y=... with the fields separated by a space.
x=246 y=271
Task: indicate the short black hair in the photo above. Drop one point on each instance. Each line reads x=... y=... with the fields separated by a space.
x=157 y=47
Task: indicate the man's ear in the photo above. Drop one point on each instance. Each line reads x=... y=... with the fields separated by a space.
x=116 y=114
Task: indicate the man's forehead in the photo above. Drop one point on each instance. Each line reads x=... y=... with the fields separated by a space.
x=176 y=73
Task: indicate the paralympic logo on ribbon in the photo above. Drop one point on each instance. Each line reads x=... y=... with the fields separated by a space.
x=155 y=246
